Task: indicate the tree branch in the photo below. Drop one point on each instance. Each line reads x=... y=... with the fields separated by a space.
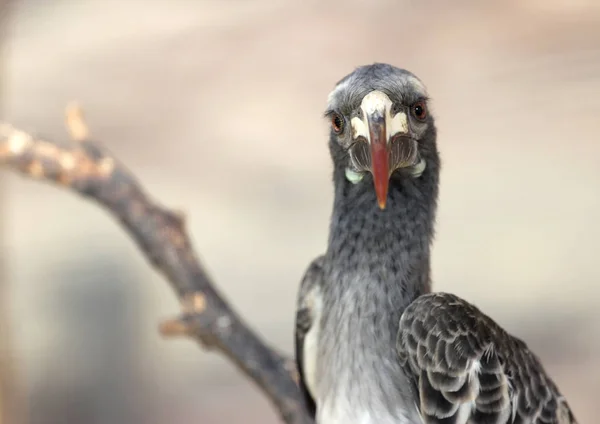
x=91 y=171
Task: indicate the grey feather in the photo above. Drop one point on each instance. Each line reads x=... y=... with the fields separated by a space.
x=466 y=367
x=309 y=287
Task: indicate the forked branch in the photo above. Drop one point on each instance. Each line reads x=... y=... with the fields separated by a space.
x=90 y=170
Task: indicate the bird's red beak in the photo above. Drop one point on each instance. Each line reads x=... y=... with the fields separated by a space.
x=380 y=162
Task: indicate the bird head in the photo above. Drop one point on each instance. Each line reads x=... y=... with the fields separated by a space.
x=381 y=125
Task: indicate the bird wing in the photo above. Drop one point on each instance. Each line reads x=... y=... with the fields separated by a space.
x=467 y=369
x=307 y=303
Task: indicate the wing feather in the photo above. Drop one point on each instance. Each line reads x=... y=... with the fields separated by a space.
x=469 y=370
x=304 y=320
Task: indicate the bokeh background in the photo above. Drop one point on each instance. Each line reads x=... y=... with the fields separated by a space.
x=216 y=106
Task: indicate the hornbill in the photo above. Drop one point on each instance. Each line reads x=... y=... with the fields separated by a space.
x=373 y=344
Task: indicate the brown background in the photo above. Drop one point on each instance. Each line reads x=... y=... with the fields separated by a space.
x=216 y=106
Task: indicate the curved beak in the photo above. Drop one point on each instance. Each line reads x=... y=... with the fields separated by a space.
x=378 y=127
x=380 y=156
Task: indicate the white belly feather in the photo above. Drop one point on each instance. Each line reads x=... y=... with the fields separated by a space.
x=311 y=342
x=336 y=408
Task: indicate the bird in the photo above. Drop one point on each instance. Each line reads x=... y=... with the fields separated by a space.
x=373 y=343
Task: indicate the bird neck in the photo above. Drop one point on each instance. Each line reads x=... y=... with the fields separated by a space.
x=389 y=247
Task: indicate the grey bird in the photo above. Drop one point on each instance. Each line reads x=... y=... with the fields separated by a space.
x=374 y=345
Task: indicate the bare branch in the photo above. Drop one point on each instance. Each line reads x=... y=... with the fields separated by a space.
x=91 y=171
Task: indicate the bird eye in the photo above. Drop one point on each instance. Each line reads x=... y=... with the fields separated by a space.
x=419 y=110
x=337 y=123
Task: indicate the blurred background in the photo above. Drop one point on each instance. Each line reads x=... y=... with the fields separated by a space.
x=217 y=107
